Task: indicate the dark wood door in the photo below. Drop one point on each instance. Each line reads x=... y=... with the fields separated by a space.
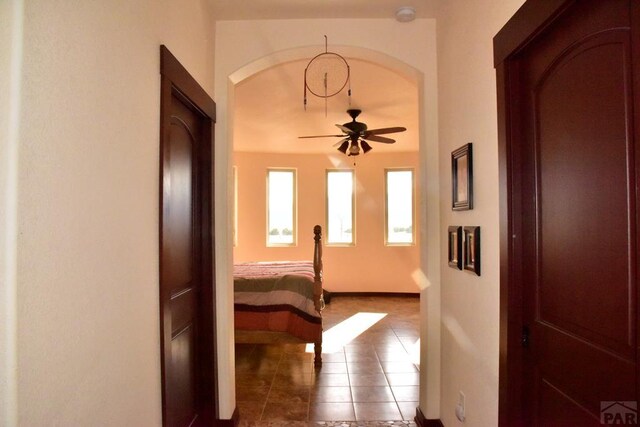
x=186 y=276
x=180 y=260
x=578 y=216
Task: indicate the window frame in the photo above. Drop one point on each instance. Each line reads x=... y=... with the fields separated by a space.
x=352 y=171
x=294 y=208
x=413 y=206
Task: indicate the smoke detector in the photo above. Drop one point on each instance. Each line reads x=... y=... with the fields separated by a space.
x=405 y=14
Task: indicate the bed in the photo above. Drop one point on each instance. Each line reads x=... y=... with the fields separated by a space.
x=281 y=301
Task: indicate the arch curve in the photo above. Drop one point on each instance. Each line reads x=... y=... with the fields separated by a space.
x=293 y=54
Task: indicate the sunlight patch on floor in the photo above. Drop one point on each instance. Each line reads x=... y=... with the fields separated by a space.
x=346 y=331
x=414 y=352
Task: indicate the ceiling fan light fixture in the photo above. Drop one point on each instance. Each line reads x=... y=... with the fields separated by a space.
x=365 y=147
x=355 y=133
x=343 y=147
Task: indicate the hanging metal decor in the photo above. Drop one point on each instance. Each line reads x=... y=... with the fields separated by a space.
x=326 y=75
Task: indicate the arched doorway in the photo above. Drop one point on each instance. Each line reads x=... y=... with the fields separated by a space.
x=232 y=71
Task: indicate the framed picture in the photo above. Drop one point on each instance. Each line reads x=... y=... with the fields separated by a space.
x=462 y=178
x=455 y=247
x=472 y=249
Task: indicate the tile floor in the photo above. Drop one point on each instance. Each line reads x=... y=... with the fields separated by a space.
x=370 y=377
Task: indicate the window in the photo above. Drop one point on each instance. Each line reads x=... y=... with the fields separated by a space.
x=399 y=207
x=340 y=212
x=281 y=207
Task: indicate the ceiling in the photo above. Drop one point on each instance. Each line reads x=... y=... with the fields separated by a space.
x=225 y=10
x=269 y=112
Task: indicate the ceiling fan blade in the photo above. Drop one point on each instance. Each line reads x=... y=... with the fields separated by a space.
x=379 y=139
x=321 y=136
x=340 y=142
x=382 y=131
x=344 y=129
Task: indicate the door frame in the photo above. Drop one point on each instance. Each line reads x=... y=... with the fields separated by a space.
x=529 y=22
x=176 y=81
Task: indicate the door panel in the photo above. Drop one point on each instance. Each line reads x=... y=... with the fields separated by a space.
x=581 y=137
x=183 y=381
x=178 y=226
x=180 y=260
x=579 y=216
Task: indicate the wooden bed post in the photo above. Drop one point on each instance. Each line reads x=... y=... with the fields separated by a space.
x=317 y=287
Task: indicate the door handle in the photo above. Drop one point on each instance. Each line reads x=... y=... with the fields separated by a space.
x=525 y=336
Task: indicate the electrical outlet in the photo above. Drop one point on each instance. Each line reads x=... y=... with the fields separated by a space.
x=460 y=407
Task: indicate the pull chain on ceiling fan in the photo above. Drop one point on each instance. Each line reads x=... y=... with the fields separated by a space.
x=356 y=134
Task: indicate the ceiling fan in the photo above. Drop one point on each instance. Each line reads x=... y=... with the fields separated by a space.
x=356 y=135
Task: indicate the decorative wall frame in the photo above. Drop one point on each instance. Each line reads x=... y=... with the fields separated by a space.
x=471 y=249
x=462 y=178
x=455 y=247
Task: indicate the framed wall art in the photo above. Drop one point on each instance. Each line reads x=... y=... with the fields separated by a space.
x=455 y=247
x=462 y=178
x=471 y=250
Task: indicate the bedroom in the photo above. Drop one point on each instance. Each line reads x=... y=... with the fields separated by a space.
x=386 y=43
x=370 y=260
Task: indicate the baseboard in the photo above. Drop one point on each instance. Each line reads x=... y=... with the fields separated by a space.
x=233 y=422
x=330 y=294
x=421 y=421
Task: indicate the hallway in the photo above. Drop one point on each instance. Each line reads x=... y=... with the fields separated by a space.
x=369 y=372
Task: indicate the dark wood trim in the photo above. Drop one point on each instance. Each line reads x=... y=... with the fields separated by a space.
x=532 y=18
x=233 y=422
x=165 y=325
x=422 y=421
x=176 y=81
x=330 y=294
x=635 y=58
x=180 y=77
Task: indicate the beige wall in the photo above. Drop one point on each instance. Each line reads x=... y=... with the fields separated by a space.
x=369 y=266
x=87 y=248
x=467 y=113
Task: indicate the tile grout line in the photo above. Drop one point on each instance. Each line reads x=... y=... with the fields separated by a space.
x=273 y=380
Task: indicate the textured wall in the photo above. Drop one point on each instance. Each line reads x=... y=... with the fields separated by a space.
x=467 y=112
x=87 y=275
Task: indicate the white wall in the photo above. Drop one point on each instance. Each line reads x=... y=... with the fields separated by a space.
x=467 y=113
x=87 y=247
x=10 y=48
x=245 y=47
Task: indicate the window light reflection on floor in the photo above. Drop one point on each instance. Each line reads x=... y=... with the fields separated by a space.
x=414 y=352
x=346 y=331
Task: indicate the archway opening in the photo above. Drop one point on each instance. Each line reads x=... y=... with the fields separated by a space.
x=266 y=114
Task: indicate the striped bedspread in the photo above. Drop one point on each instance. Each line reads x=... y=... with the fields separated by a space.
x=274 y=286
